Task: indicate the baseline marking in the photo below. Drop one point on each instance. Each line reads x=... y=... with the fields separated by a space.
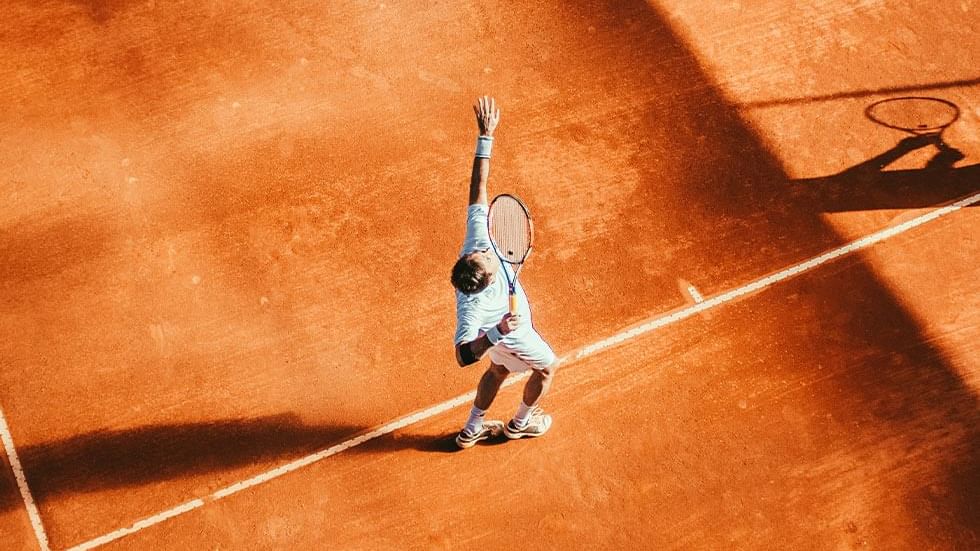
x=619 y=338
x=25 y=491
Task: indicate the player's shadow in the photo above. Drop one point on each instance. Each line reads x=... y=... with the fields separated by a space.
x=441 y=443
x=111 y=459
x=869 y=186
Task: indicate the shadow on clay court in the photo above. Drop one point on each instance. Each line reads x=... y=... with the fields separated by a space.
x=897 y=385
x=712 y=189
x=111 y=459
x=9 y=495
x=861 y=93
x=38 y=250
x=440 y=443
x=868 y=186
x=716 y=173
x=102 y=11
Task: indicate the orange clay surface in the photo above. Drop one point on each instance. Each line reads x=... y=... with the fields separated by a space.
x=226 y=232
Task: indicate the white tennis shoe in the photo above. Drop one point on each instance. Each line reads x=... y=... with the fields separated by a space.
x=538 y=424
x=491 y=429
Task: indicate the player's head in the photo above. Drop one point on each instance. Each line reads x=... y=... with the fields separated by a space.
x=474 y=271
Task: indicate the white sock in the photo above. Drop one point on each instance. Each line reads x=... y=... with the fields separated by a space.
x=522 y=415
x=475 y=423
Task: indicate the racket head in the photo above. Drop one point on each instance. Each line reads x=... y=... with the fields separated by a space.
x=511 y=229
x=920 y=115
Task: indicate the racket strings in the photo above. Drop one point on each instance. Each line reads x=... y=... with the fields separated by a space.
x=510 y=229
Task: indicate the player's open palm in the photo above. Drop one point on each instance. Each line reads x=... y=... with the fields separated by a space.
x=487 y=115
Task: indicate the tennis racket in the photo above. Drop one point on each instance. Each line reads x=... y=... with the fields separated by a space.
x=511 y=234
x=916 y=115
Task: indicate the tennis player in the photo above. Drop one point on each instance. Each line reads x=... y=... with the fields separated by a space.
x=484 y=324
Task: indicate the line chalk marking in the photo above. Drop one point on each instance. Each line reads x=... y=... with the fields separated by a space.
x=769 y=280
x=695 y=294
x=619 y=338
x=145 y=523
x=25 y=491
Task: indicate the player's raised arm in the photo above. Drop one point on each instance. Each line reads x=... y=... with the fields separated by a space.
x=487 y=117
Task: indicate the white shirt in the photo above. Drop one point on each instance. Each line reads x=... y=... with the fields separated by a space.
x=478 y=313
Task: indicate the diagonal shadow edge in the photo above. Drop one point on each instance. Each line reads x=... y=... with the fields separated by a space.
x=257 y=431
x=889 y=327
x=908 y=323
x=125 y=458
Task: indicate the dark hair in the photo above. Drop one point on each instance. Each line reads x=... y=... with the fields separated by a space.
x=469 y=275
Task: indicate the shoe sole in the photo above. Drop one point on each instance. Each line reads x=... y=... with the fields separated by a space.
x=466 y=444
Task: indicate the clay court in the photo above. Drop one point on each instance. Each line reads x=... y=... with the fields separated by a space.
x=226 y=234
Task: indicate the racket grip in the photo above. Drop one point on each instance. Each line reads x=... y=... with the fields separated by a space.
x=513 y=304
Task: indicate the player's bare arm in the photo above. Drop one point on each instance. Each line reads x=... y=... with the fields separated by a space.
x=468 y=353
x=487 y=117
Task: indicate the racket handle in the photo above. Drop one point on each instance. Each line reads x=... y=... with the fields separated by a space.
x=513 y=304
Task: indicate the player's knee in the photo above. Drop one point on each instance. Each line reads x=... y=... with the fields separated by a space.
x=498 y=371
x=546 y=372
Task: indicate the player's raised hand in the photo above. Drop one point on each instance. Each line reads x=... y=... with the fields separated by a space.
x=487 y=115
x=509 y=323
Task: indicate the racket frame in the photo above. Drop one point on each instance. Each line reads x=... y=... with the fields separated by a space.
x=511 y=282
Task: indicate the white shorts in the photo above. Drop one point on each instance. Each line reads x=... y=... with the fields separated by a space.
x=530 y=352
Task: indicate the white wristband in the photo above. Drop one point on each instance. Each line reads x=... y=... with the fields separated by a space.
x=493 y=335
x=484 y=144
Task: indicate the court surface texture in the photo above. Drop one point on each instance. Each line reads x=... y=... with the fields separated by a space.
x=227 y=230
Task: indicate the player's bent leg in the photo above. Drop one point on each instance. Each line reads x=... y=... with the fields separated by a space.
x=530 y=420
x=477 y=428
x=530 y=353
x=538 y=384
x=490 y=383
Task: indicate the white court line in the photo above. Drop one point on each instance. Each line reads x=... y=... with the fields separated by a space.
x=25 y=491
x=694 y=293
x=655 y=323
x=769 y=280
